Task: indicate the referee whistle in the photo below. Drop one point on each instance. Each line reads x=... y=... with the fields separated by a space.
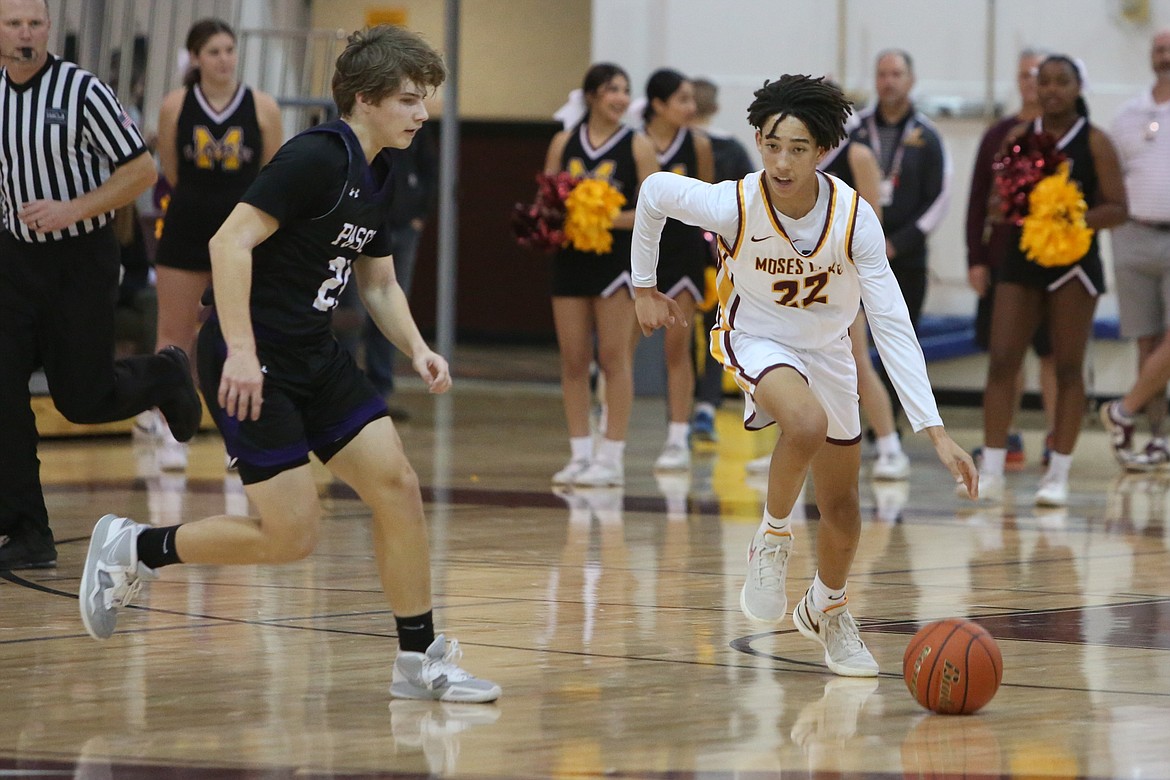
x=26 y=52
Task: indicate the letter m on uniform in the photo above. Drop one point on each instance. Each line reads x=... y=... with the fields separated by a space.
x=226 y=151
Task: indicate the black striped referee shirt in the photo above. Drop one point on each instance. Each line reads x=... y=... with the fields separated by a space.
x=62 y=133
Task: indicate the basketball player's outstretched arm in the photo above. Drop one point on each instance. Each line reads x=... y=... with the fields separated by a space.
x=386 y=302
x=709 y=206
x=898 y=345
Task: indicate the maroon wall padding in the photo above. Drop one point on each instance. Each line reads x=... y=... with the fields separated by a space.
x=502 y=290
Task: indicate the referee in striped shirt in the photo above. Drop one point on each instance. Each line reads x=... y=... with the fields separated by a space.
x=69 y=156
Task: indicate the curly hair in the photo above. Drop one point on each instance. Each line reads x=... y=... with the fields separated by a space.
x=377 y=60
x=818 y=103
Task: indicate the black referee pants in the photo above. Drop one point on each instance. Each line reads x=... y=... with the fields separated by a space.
x=57 y=311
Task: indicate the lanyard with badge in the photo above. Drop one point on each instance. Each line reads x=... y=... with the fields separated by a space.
x=889 y=178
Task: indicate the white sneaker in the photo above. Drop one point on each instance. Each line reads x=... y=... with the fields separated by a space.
x=845 y=653
x=1052 y=492
x=763 y=598
x=171 y=453
x=601 y=473
x=758 y=465
x=574 y=467
x=674 y=457
x=148 y=425
x=113 y=575
x=891 y=465
x=436 y=675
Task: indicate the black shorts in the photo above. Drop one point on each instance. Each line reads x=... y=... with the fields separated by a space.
x=1018 y=269
x=191 y=220
x=589 y=275
x=316 y=400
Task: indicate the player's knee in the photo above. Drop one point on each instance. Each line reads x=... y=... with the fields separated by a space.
x=296 y=540
x=840 y=507
x=397 y=480
x=807 y=431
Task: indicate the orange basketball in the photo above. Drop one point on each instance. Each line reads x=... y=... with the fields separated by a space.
x=952 y=666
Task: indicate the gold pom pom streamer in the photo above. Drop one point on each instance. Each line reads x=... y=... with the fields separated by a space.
x=591 y=208
x=1055 y=233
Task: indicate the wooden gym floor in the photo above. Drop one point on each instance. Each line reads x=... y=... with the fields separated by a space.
x=610 y=618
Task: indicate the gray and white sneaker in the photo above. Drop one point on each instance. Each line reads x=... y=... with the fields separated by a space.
x=601 y=473
x=845 y=653
x=436 y=676
x=574 y=467
x=674 y=457
x=113 y=575
x=763 y=598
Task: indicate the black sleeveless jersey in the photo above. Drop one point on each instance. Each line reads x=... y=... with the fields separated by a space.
x=678 y=238
x=1083 y=170
x=218 y=150
x=332 y=205
x=219 y=156
x=613 y=161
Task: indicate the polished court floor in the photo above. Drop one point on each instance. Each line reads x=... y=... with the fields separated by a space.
x=610 y=618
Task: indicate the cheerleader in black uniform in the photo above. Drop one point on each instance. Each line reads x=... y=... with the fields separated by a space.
x=214 y=136
x=591 y=293
x=1027 y=294
x=683 y=251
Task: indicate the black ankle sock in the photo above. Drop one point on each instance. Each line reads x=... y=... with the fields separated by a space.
x=156 y=547
x=415 y=633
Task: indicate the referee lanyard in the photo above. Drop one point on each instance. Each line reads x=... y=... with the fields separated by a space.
x=890 y=179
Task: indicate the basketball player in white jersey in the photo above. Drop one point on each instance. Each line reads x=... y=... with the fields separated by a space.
x=799 y=252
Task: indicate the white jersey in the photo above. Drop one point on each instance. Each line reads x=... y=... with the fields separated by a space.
x=798 y=282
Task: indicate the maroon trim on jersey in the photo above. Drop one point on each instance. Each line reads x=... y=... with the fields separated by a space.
x=843 y=442
x=849 y=231
x=823 y=239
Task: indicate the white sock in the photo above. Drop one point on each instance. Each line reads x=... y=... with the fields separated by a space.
x=581 y=447
x=678 y=433
x=774 y=526
x=1058 y=468
x=993 y=460
x=705 y=406
x=890 y=444
x=825 y=598
x=611 y=451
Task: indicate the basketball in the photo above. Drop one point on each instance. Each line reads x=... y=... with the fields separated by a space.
x=952 y=666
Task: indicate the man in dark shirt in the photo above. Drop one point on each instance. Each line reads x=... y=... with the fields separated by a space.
x=279 y=384
x=916 y=174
